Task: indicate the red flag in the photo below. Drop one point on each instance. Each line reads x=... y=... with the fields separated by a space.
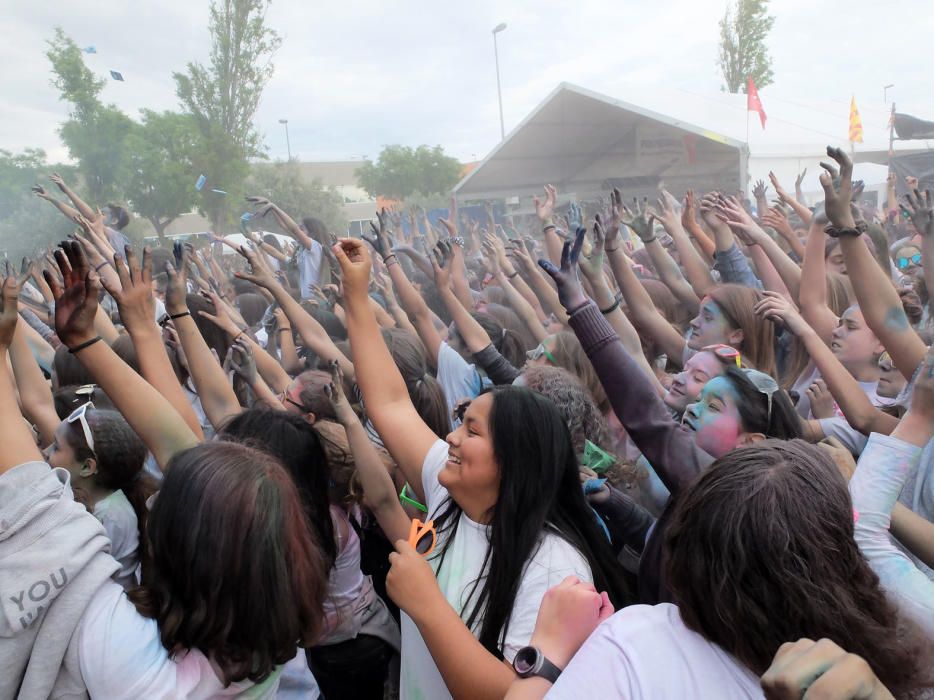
x=753 y=103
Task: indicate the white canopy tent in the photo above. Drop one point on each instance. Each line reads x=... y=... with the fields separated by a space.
x=586 y=143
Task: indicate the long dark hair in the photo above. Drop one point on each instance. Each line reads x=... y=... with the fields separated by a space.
x=753 y=406
x=236 y=570
x=539 y=492
x=293 y=441
x=761 y=552
x=507 y=343
x=120 y=456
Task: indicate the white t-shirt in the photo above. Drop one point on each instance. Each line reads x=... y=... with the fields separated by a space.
x=120 y=656
x=553 y=561
x=119 y=520
x=458 y=378
x=309 y=262
x=645 y=651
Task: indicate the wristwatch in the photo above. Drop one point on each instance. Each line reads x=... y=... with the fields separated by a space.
x=530 y=661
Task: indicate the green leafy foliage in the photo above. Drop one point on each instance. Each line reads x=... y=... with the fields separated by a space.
x=402 y=171
x=743 y=51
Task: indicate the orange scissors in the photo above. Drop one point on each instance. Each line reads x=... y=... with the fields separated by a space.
x=422 y=536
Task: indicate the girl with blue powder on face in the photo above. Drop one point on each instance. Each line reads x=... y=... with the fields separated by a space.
x=736 y=409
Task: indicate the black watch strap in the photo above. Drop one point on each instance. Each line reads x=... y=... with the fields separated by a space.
x=530 y=661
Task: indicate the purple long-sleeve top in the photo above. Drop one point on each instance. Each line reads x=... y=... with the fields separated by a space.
x=668 y=447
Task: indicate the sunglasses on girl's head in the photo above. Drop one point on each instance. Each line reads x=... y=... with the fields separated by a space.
x=79 y=416
x=725 y=353
x=765 y=384
x=902 y=263
x=538 y=351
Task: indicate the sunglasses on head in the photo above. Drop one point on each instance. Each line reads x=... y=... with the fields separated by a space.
x=538 y=351
x=725 y=353
x=903 y=262
x=79 y=415
x=765 y=384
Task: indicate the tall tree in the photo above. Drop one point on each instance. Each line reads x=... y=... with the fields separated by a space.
x=160 y=175
x=283 y=184
x=224 y=95
x=743 y=52
x=402 y=171
x=94 y=133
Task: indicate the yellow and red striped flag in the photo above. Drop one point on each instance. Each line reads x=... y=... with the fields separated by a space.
x=856 y=124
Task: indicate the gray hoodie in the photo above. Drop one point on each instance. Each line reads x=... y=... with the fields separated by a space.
x=54 y=556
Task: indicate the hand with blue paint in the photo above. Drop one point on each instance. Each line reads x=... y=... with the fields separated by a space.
x=570 y=292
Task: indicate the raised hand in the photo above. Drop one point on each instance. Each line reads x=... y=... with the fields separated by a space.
x=76 y=297
x=779 y=190
x=640 y=219
x=822 y=403
x=592 y=267
x=343 y=411
x=58 y=181
x=241 y=360
x=617 y=208
x=441 y=264
x=689 y=211
x=8 y=315
x=731 y=212
x=668 y=214
x=355 y=263
x=760 y=190
x=40 y=192
x=221 y=317
x=575 y=216
x=800 y=179
x=570 y=292
x=380 y=240
x=545 y=209
x=776 y=308
x=837 y=198
x=134 y=295
x=260 y=274
x=920 y=206
x=176 y=290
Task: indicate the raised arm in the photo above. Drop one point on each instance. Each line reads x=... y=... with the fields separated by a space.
x=545 y=210
x=883 y=468
x=153 y=418
x=79 y=203
x=695 y=267
x=730 y=261
x=797 y=202
x=475 y=338
x=878 y=299
x=19 y=446
x=135 y=301
x=850 y=397
x=217 y=396
x=609 y=305
x=379 y=491
x=284 y=220
x=388 y=405
x=668 y=447
x=705 y=243
x=812 y=295
x=67 y=211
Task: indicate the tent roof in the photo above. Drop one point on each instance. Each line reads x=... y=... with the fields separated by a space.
x=579 y=140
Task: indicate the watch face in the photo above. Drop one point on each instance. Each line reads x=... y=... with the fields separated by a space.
x=525 y=660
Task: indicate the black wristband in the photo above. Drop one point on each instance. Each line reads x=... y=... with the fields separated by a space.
x=611 y=250
x=515 y=272
x=649 y=240
x=611 y=308
x=181 y=315
x=548 y=227
x=85 y=344
x=858 y=230
x=391 y=255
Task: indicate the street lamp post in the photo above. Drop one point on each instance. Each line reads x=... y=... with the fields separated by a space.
x=499 y=90
x=288 y=144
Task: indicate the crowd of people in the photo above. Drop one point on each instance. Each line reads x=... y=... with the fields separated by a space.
x=680 y=450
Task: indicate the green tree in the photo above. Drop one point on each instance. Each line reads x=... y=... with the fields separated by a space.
x=94 y=133
x=402 y=171
x=224 y=95
x=282 y=183
x=743 y=53
x=160 y=176
x=26 y=224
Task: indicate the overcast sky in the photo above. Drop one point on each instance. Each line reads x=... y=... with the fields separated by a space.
x=354 y=75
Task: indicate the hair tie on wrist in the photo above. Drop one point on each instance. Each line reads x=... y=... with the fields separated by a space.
x=182 y=314
x=98 y=268
x=649 y=240
x=515 y=272
x=283 y=330
x=86 y=344
x=611 y=308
